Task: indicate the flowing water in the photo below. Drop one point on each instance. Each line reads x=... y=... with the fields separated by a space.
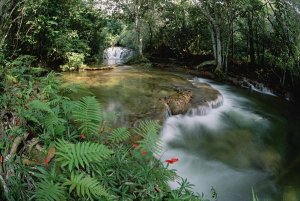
x=250 y=142
x=117 y=55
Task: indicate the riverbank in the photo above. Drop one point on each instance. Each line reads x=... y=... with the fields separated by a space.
x=239 y=75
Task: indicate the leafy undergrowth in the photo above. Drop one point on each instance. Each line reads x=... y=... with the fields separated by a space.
x=140 y=61
x=54 y=148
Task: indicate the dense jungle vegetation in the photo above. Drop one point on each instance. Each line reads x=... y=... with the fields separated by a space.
x=56 y=148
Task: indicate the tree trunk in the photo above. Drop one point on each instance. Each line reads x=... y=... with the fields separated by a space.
x=219 y=53
x=213 y=40
x=251 y=39
x=139 y=39
x=151 y=36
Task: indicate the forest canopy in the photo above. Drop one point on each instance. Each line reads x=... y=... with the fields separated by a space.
x=261 y=33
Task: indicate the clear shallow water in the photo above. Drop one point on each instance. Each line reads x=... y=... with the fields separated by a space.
x=252 y=141
x=130 y=92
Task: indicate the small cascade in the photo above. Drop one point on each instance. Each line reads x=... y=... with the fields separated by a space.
x=117 y=55
x=258 y=87
x=202 y=110
x=217 y=102
x=168 y=112
x=198 y=100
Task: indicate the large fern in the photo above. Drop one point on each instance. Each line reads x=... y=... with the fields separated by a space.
x=80 y=154
x=49 y=191
x=119 y=135
x=87 y=113
x=85 y=186
x=149 y=131
x=47 y=117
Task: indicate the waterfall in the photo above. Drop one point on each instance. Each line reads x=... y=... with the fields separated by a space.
x=202 y=110
x=117 y=55
x=168 y=112
x=258 y=87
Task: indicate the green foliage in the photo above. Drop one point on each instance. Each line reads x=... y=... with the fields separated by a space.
x=38 y=105
x=82 y=168
x=81 y=154
x=119 y=135
x=148 y=130
x=127 y=37
x=74 y=61
x=85 y=186
x=141 y=61
x=49 y=31
x=87 y=112
x=49 y=118
x=47 y=190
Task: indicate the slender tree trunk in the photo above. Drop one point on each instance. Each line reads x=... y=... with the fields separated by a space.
x=151 y=36
x=219 y=50
x=213 y=41
x=138 y=23
x=251 y=39
x=232 y=44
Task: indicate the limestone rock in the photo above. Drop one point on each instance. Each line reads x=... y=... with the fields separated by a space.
x=178 y=103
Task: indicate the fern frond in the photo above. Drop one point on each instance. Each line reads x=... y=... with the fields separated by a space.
x=85 y=186
x=75 y=88
x=119 y=135
x=87 y=113
x=54 y=124
x=80 y=154
x=55 y=101
x=149 y=131
x=44 y=174
x=40 y=106
x=47 y=190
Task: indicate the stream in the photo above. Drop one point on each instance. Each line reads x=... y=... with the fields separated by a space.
x=250 y=142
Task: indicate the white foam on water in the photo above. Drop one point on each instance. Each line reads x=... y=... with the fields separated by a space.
x=259 y=87
x=182 y=136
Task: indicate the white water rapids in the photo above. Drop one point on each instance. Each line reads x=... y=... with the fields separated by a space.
x=221 y=149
